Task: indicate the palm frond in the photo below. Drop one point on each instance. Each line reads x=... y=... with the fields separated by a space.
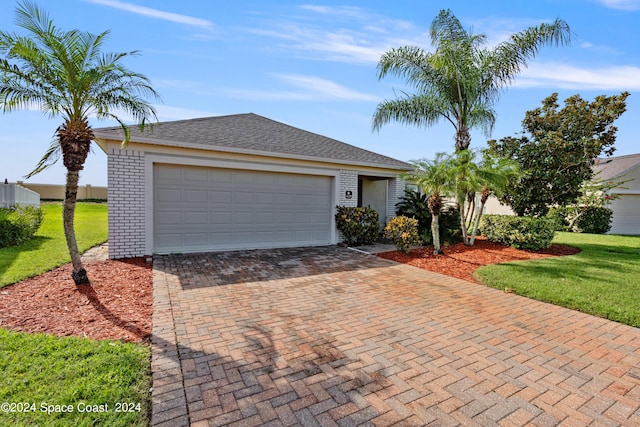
x=50 y=157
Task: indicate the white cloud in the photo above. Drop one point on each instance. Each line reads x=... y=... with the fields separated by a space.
x=341 y=34
x=324 y=88
x=621 y=4
x=561 y=76
x=306 y=88
x=155 y=13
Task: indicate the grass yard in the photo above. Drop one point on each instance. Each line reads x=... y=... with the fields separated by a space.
x=49 y=249
x=51 y=381
x=601 y=280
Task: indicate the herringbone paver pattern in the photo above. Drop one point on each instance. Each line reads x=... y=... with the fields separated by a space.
x=328 y=336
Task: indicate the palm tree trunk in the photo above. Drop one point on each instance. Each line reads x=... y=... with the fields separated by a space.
x=477 y=222
x=79 y=274
x=463 y=224
x=435 y=232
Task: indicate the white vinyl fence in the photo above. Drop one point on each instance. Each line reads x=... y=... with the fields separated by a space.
x=12 y=194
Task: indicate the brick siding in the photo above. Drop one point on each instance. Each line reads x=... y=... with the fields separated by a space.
x=126 y=196
x=395 y=190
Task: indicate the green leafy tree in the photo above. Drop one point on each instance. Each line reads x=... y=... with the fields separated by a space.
x=65 y=75
x=462 y=78
x=434 y=178
x=558 y=149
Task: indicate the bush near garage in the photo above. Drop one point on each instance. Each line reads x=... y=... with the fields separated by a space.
x=520 y=232
x=18 y=224
x=403 y=232
x=358 y=225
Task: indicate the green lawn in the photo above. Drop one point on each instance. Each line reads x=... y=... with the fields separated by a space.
x=49 y=249
x=601 y=280
x=44 y=375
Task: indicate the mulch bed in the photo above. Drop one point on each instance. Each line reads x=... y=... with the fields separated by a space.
x=118 y=304
x=461 y=261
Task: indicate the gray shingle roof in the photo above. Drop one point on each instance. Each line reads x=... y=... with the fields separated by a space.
x=251 y=133
x=614 y=167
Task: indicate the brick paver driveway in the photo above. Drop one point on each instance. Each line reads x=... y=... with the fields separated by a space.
x=329 y=336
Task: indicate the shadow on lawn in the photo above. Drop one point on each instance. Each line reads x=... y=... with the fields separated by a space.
x=9 y=255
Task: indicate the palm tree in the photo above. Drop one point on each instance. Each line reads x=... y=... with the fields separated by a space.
x=64 y=74
x=461 y=80
x=494 y=175
x=466 y=182
x=434 y=178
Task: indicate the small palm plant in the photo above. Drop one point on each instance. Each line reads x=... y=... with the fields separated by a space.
x=434 y=178
x=64 y=74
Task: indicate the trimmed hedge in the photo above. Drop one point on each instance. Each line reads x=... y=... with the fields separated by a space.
x=521 y=232
x=18 y=224
x=595 y=220
x=359 y=226
x=588 y=219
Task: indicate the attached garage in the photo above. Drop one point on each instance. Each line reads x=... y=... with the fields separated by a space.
x=235 y=182
x=201 y=209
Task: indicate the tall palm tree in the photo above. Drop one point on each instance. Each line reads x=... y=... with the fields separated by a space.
x=434 y=178
x=64 y=74
x=461 y=79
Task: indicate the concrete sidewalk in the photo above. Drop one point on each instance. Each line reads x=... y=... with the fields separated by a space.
x=330 y=336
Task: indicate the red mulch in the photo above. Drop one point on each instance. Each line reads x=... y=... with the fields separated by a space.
x=119 y=302
x=461 y=261
x=117 y=305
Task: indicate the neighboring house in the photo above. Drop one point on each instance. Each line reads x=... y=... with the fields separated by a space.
x=626 y=204
x=236 y=182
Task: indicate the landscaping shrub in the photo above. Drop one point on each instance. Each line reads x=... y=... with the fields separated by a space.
x=414 y=205
x=594 y=219
x=559 y=217
x=403 y=232
x=18 y=224
x=359 y=226
x=531 y=233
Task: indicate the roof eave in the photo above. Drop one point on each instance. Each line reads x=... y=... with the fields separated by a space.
x=102 y=140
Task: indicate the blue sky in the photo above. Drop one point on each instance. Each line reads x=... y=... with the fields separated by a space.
x=313 y=65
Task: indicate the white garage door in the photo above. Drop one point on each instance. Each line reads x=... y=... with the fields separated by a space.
x=207 y=209
x=626 y=215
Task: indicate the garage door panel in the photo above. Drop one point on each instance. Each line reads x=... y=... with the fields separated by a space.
x=168 y=195
x=244 y=197
x=198 y=209
x=168 y=174
x=196 y=196
x=219 y=196
x=196 y=218
x=168 y=218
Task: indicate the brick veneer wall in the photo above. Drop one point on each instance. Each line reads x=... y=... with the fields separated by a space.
x=348 y=182
x=395 y=190
x=126 y=197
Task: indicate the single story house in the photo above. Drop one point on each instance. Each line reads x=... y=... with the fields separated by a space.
x=626 y=203
x=236 y=182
